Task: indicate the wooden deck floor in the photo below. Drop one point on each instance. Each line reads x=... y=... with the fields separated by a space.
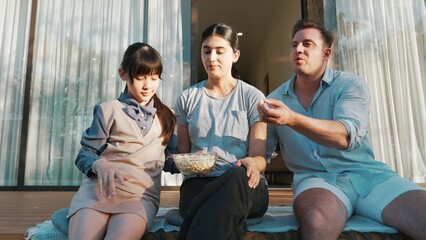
x=22 y=210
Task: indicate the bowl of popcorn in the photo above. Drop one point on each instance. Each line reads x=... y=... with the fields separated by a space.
x=195 y=163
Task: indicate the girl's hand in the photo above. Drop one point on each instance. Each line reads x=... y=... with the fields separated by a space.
x=107 y=174
x=253 y=173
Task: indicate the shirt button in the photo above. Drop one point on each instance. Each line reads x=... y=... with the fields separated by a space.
x=143 y=127
x=142 y=115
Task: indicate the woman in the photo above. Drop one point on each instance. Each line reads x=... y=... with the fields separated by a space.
x=219 y=115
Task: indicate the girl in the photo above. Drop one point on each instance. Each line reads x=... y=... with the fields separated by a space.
x=219 y=115
x=122 y=155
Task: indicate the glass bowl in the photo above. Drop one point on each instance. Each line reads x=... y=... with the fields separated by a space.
x=195 y=163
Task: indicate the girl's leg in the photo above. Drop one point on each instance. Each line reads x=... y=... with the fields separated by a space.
x=126 y=226
x=87 y=223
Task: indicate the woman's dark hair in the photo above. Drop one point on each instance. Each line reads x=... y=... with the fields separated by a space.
x=309 y=23
x=141 y=59
x=228 y=33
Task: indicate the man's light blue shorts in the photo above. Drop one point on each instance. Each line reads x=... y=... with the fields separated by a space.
x=370 y=206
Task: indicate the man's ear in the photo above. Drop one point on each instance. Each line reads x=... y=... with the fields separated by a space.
x=327 y=53
x=123 y=74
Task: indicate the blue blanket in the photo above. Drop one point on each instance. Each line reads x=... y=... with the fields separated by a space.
x=276 y=219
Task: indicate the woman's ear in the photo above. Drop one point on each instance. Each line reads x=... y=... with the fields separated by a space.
x=123 y=74
x=236 y=56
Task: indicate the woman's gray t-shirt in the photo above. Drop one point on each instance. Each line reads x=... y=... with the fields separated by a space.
x=220 y=125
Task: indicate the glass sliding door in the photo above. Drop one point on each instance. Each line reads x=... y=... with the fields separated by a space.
x=14 y=28
x=78 y=48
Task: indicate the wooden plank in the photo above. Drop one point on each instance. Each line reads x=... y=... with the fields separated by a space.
x=21 y=210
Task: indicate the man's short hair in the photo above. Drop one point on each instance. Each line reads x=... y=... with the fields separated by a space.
x=309 y=23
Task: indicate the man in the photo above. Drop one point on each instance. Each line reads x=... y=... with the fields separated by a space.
x=320 y=118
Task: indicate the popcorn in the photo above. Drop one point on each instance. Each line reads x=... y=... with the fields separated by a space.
x=194 y=163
